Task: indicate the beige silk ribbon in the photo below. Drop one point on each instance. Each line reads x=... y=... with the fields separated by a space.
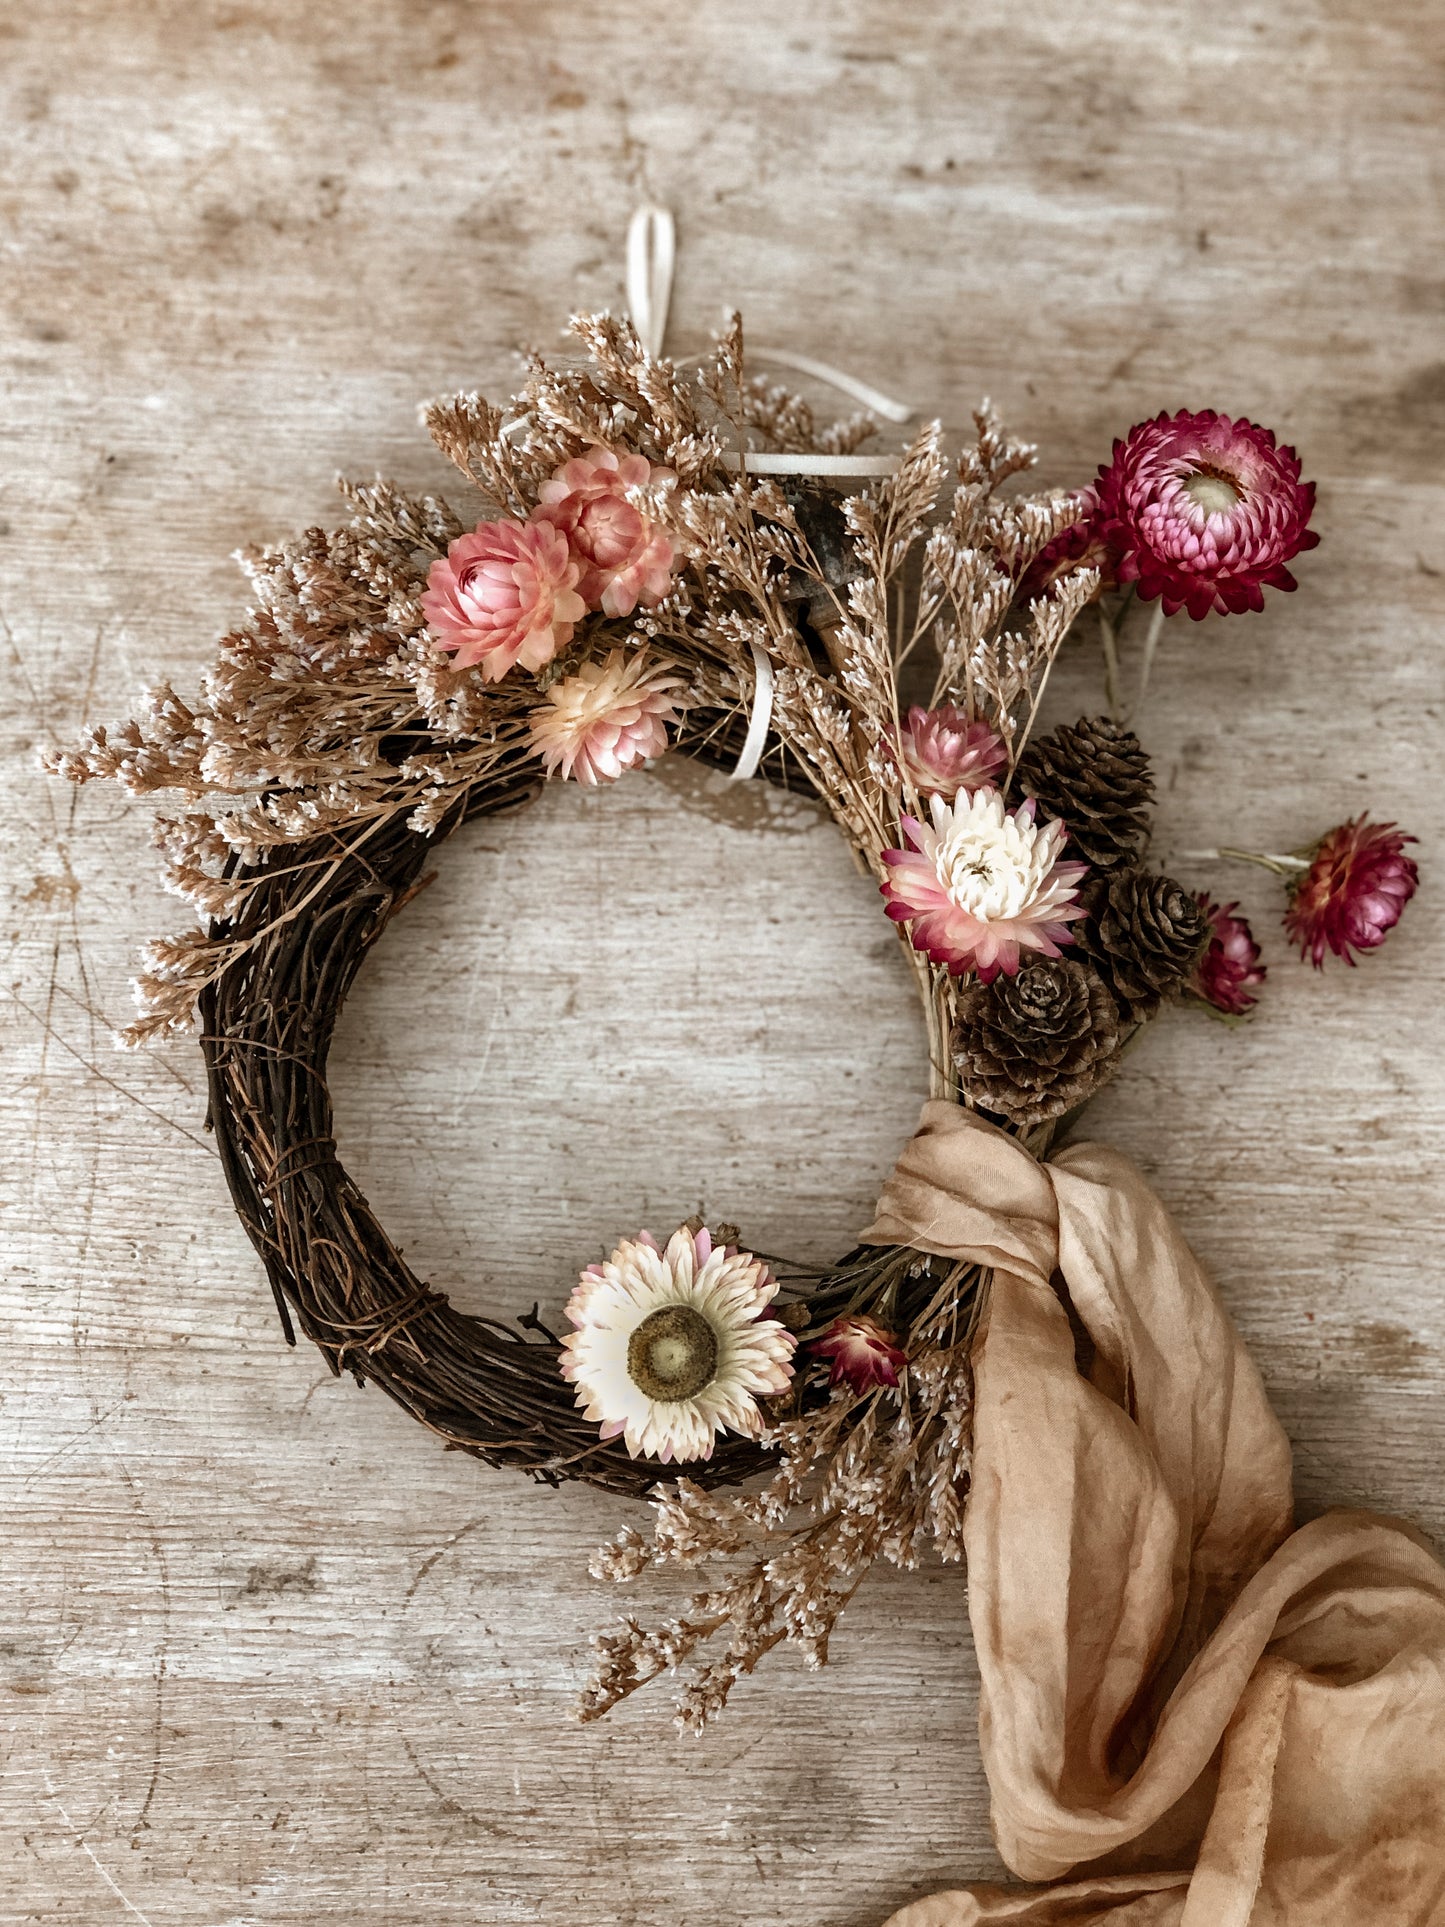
x=1202 y=1716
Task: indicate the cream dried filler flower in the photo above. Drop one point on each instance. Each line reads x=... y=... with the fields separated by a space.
x=606 y=718
x=671 y=1345
x=980 y=883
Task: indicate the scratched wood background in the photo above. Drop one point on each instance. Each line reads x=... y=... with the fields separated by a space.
x=267 y=1655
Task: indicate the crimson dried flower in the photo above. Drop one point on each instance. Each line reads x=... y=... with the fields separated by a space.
x=504 y=594
x=1230 y=969
x=1353 y=892
x=1204 y=511
x=862 y=1353
x=942 y=752
x=1080 y=546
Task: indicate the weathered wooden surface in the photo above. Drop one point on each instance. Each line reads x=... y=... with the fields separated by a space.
x=267 y=1654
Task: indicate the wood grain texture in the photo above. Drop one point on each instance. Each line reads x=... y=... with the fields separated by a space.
x=240 y=242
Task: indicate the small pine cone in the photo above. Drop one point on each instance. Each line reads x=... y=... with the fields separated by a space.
x=1145 y=933
x=1093 y=776
x=1030 y=1047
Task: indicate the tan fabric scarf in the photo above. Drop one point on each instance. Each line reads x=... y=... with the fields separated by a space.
x=1206 y=1718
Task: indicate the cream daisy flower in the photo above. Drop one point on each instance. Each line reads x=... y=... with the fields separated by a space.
x=671 y=1346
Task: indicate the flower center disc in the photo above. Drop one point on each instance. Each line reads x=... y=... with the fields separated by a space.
x=1215 y=494
x=673 y=1353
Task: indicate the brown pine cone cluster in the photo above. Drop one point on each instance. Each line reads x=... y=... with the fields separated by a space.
x=1093 y=776
x=1030 y=1047
x=1143 y=935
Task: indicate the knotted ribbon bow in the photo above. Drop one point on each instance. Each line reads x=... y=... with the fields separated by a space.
x=1207 y=1718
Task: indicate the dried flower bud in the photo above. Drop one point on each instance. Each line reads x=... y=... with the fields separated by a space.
x=623 y=557
x=1229 y=969
x=942 y=752
x=862 y=1352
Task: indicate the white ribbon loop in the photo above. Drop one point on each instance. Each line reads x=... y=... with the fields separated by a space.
x=873 y=399
x=758 y=720
x=651 y=256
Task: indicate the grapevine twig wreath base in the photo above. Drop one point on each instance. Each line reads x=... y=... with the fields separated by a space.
x=678 y=556
x=266 y=1027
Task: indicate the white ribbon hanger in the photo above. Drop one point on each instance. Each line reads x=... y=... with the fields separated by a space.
x=651 y=259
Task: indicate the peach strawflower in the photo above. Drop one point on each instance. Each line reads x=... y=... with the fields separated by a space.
x=623 y=557
x=942 y=752
x=980 y=883
x=606 y=717
x=505 y=594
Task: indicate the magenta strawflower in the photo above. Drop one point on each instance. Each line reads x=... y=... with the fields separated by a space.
x=505 y=594
x=980 y=883
x=1230 y=969
x=862 y=1353
x=942 y=752
x=1204 y=511
x=1352 y=895
x=1080 y=546
x=624 y=557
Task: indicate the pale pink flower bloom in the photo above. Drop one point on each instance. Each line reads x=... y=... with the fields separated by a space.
x=605 y=718
x=670 y=1346
x=980 y=883
x=504 y=594
x=942 y=752
x=624 y=558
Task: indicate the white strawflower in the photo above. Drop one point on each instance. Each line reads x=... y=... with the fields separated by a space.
x=980 y=883
x=671 y=1346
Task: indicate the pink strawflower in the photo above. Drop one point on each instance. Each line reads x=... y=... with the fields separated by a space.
x=1204 y=511
x=1230 y=968
x=1352 y=895
x=504 y=594
x=1080 y=546
x=980 y=883
x=606 y=717
x=942 y=752
x=862 y=1352
x=624 y=558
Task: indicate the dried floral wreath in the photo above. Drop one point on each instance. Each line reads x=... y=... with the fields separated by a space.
x=656 y=566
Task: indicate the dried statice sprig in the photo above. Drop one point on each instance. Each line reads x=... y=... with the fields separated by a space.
x=330 y=711
x=861 y=1478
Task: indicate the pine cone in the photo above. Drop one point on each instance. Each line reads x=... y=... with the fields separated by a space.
x=1031 y=1047
x=1093 y=776
x=1144 y=933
